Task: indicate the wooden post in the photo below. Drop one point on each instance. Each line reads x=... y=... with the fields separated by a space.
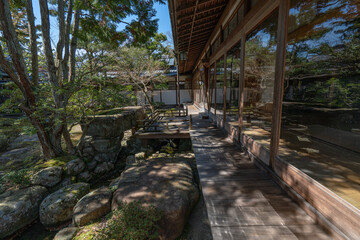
x=241 y=83
x=190 y=122
x=214 y=79
x=279 y=79
x=225 y=82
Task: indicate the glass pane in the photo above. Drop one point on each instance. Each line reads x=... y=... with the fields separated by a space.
x=320 y=131
x=212 y=86
x=220 y=85
x=232 y=83
x=259 y=75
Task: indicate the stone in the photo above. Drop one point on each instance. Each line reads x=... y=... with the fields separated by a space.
x=140 y=156
x=88 y=151
x=103 y=167
x=148 y=150
x=47 y=177
x=2 y=189
x=57 y=208
x=4 y=143
x=168 y=184
x=115 y=124
x=91 y=165
x=19 y=208
x=102 y=145
x=162 y=155
x=24 y=141
x=115 y=184
x=92 y=206
x=106 y=157
x=66 y=233
x=74 y=167
x=85 y=177
x=130 y=160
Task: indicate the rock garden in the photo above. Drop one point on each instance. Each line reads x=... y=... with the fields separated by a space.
x=111 y=189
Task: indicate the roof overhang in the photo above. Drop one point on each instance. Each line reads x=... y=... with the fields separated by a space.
x=192 y=24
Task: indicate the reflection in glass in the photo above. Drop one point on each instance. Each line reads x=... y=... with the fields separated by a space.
x=260 y=48
x=232 y=83
x=321 y=118
x=211 y=94
x=219 y=85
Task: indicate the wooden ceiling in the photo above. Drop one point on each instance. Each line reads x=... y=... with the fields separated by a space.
x=192 y=22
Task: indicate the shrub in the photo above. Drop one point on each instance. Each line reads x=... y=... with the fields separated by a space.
x=18 y=177
x=133 y=221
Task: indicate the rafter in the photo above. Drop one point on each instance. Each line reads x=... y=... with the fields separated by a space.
x=190 y=6
x=180 y=17
x=195 y=36
x=200 y=18
x=200 y=26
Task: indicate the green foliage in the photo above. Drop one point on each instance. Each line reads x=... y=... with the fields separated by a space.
x=101 y=18
x=13 y=98
x=18 y=177
x=133 y=221
x=168 y=148
x=58 y=161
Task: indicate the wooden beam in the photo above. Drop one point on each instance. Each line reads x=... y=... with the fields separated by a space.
x=199 y=34
x=225 y=82
x=199 y=19
x=190 y=6
x=282 y=31
x=199 y=26
x=212 y=8
x=203 y=29
x=195 y=42
x=163 y=135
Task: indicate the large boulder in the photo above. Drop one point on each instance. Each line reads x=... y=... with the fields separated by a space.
x=19 y=208
x=166 y=183
x=57 y=208
x=47 y=177
x=74 y=167
x=92 y=206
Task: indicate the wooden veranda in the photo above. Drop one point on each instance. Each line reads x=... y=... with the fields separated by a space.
x=170 y=123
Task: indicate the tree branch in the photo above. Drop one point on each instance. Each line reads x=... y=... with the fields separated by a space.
x=33 y=43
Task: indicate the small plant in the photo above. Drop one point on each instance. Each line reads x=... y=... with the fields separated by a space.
x=18 y=177
x=133 y=221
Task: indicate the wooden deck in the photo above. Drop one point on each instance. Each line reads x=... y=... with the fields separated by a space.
x=242 y=201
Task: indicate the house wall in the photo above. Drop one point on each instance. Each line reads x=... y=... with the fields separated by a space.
x=267 y=97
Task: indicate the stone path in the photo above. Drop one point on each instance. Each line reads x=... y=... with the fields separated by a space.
x=242 y=201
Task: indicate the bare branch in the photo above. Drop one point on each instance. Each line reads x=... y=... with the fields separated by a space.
x=33 y=43
x=61 y=42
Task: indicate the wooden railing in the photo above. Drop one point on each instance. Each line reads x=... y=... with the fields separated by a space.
x=155 y=121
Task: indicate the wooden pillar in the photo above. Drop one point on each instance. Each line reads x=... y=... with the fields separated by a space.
x=279 y=79
x=214 y=84
x=206 y=87
x=225 y=82
x=241 y=83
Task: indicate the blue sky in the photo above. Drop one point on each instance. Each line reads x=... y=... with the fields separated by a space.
x=162 y=14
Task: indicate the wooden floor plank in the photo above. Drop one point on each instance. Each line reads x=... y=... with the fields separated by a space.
x=242 y=201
